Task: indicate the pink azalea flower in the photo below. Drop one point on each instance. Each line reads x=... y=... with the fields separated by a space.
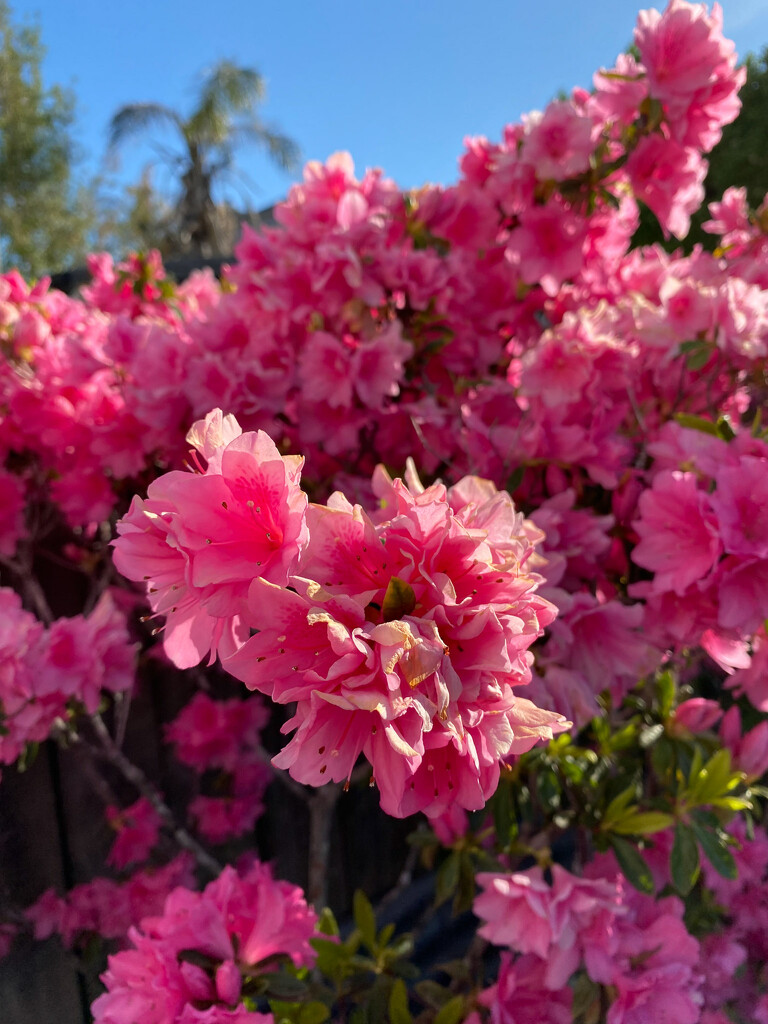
x=240 y=921
x=524 y=912
x=749 y=750
x=694 y=715
x=521 y=997
x=740 y=502
x=137 y=830
x=691 y=68
x=200 y=538
x=558 y=143
x=669 y=178
x=679 y=539
x=424 y=687
x=752 y=680
x=680 y=47
x=547 y=246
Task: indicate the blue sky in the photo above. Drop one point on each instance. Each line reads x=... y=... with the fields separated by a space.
x=398 y=84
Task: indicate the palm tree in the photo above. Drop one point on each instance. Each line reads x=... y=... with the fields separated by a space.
x=224 y=118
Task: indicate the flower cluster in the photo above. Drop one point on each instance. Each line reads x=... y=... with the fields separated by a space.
x=402 y=638
x=46 y=674
x=224 y=736
x=105 y=907
x=191 y=963
x=635 y=946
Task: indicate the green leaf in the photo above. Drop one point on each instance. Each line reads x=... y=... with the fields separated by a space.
x=28 y=756
x=665 y=692
x=699 y=358
x=402 y=946
x=515 y=479
x=399 y=600
x=434 y=995
x=447 y=878
x=295 y=1013
x=715 y=849
x=385 y=935
x=196 y=957
x=314 y=1013
x=331 y=956
x=714 y=779
x=642 y=823
x=465 y=890
x=662 y=757
x=684 y=859
x=398 y=1004
x=365 y=919
x=617 y=807
x=632 y=864
x=696 y=422
x=724 y=429
x=585 y=993
x=284 y=986
x=452 y=1012
x=326 y=924
x=733 y=803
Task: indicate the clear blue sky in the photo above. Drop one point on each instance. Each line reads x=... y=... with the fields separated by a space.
x=399 y=84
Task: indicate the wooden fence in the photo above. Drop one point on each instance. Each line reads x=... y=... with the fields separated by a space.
x=53 y=833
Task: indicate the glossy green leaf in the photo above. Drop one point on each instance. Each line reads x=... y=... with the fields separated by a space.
x=696 y=422
x=365 y=919
x=399 y=1012
x=452 y=1012
x=617 y=808
x=715 y=849
x=632 y=864
x=684 y=859
x=642 y=823
x=447 y=878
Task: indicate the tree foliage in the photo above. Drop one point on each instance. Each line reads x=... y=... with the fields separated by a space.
x=43 y=218
x=224 y=118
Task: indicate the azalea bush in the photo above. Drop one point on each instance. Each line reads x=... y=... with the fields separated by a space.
x=468 y=498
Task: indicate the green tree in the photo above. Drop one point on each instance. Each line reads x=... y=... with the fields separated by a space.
x=44 y=218
x=225 y=117
x=131 y=219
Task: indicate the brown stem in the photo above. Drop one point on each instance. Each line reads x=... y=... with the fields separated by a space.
x=321 y=807
x=136 y=776
x=32 y=592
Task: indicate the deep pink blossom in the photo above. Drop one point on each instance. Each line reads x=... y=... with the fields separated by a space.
x=137 y=830
x=679 y=539
x=239 y=921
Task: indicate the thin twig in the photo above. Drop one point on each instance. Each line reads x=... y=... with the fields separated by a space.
x=136 y=776
x=30 y=587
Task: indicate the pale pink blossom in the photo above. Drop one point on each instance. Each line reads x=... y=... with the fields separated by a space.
x=422 y=687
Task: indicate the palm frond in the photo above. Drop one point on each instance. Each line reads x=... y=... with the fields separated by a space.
x=135 y=118
x=281 y=148
x=228 y=90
